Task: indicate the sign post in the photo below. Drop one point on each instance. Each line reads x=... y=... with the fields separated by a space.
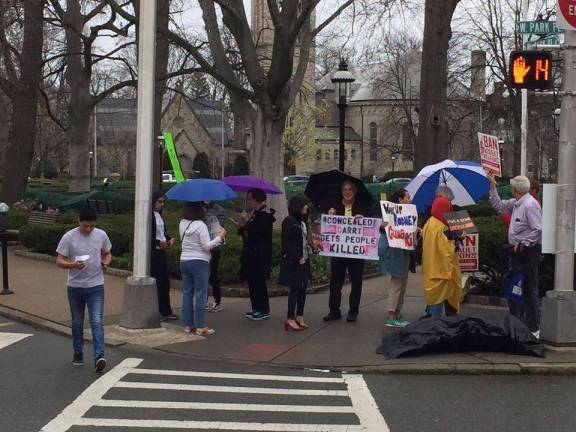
x=558 y=324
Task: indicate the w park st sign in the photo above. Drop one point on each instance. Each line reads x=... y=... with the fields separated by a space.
x=538 y=27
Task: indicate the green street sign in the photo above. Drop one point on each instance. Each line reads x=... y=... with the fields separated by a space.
x=537 y=27
x=171 y=150
x=548 y=40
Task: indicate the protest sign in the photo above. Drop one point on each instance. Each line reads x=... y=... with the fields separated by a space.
x=348 y=237
x=468 y=254
x=460 y=221
x=171 y=150
x=402 y=224
x=490 y=153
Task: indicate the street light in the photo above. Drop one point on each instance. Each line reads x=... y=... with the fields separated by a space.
x=342 y=80
x=90 y=155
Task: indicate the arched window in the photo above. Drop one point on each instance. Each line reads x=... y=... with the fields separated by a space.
x=353 y=153
x=373 y=142
x=318 y=154
x=327 y=153
x=345 y=154
x=336 y=154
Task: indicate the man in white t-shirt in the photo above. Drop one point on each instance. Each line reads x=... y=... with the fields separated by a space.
x=86 y=252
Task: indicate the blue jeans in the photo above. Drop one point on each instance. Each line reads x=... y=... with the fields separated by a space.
x=92 y=297
x=435 y=310
x=195 y=274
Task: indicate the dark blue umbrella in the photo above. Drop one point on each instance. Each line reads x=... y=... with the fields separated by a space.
x=201 y=190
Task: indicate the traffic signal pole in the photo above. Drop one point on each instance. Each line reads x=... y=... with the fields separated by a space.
x=558 y=324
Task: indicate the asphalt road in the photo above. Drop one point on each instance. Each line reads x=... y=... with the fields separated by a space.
x=148 y=391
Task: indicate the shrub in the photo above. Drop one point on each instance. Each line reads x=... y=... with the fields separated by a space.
x=43 y=238
x=17 y=218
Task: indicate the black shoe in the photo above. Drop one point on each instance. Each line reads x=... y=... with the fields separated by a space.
x=352 y=317
x=78 y=359
x=332 y=317
x=100 y=364
x=171 y=317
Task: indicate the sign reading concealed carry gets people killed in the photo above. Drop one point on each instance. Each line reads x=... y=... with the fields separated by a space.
x=402 y=223
x=349 y=237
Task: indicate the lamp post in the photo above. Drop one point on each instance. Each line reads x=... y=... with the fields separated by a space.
x=342 y=80
x=90 y=156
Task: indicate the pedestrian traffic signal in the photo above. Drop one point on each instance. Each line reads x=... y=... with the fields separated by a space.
x=531 y=69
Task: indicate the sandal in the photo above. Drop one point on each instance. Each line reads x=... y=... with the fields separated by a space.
x=188 y=329
x=205 y=331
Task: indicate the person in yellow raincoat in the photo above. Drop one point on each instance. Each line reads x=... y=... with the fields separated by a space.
x=440 y=264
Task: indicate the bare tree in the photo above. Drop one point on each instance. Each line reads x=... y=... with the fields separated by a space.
x=22 y=72
x=274 y=75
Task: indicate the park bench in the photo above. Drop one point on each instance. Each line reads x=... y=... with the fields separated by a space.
x=42 y=217
x=100 y=206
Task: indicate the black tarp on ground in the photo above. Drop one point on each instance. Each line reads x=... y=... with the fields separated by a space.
x=494 y=333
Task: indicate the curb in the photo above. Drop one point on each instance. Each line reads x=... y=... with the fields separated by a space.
x=51 y=326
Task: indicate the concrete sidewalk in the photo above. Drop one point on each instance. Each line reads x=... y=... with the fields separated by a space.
x=40 y=298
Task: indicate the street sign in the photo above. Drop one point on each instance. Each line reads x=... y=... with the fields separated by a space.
x=537 y=27
x=531 y=69
x=545 y=41
x=566 y=13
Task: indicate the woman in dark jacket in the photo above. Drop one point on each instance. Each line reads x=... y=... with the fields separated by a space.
x=161 y=242
x=295 y=263
x=256 y=257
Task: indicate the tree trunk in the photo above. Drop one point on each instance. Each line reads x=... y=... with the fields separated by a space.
x=432 y=145
x=79 y=139
x=162 y=54
x=266 y=160
x=22 y=135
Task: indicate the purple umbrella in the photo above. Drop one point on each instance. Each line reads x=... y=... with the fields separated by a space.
x=244 y=183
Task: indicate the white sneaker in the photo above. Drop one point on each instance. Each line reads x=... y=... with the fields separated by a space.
x=536 y=334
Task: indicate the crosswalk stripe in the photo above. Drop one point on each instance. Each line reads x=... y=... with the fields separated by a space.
x=73 y=413
x=224 y=406
x=229 y=389
x=236 y=376
x=233 y=426
x=6 y=324
x=364 y=405
x=10 y=338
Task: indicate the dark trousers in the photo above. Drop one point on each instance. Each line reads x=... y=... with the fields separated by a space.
x=214 y=276
x=528 y=262
x=159 y=271
x=258 y=294
x=338 y=268
x=297 y=297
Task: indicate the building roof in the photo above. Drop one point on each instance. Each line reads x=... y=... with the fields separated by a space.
x=116 y=118
x=377 y=83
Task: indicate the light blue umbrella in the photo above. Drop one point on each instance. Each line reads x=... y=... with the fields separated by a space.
x=467 y=180
x=201 y=190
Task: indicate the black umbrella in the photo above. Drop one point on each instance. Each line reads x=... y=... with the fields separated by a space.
x=323 y=189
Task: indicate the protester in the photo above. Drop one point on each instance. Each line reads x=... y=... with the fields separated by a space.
x=256 y=257
x=194 y=266
x=86 y=252
x=440 y=263
x=295 y=263
x=524 y=237
x=395 y=262
x=161 y=242
x=347 y=206
x=215 y=218
x=534 y=190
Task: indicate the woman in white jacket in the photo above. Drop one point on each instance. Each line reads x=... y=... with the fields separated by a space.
x=195 y=267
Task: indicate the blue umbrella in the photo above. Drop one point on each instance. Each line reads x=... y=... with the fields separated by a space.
x=467 y=180
x=201 y=190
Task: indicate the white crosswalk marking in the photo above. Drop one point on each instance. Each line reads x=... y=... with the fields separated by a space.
x=10 y=338
x=341 y=404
